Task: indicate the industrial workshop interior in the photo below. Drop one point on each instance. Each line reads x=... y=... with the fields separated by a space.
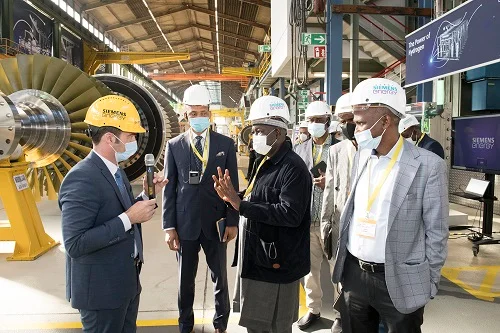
x=204 y=166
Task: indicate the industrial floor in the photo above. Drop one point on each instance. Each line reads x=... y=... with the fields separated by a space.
x=32 y=293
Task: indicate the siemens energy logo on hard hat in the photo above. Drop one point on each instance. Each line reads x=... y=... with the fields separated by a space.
x=108 y=113
x=277 y=106
x=385 y=89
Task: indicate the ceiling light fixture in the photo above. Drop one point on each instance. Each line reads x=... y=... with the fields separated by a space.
x=161 y=32
x=217 y=33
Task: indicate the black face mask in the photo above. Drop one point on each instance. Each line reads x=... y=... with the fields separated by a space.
x=348 y=130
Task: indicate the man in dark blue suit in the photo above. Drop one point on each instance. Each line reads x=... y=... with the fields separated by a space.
x=191 y=207
x=101 y=222
x=409 y=128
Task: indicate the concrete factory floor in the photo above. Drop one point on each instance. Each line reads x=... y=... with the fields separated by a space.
x=33 y=293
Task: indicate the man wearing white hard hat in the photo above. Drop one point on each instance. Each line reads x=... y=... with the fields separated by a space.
x=273 y=242
x=191 y=206
x=303 y=133
x=315 y=154
x=409 y=127
x=337 y=184
x=394 y=228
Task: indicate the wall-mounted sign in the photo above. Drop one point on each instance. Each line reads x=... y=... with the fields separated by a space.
x=320 y=52
x=264 y=48
x=71 y=48
x=465 y=38
x=32 y=29
x=313 y=38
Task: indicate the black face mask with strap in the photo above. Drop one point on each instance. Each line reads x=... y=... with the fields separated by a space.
x=348 y=130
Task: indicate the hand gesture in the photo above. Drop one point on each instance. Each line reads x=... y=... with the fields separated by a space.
x=225 y=189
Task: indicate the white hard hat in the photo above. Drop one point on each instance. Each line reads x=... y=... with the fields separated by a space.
x=196 y=95
x=267 y=107
x=334 y=127
x=304 y=124
x=318 y=108
x=343 y=104
x=407 y=122
x=380 y=91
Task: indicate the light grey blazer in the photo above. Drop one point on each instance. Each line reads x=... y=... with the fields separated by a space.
x=337 y=185
x=417 y=235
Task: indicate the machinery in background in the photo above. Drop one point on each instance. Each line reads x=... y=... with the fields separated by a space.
x=42 y=107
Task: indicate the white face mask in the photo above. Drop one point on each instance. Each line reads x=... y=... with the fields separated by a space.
x=365 y=140
x=260 y=144
x=303 y=137
x=317 y=130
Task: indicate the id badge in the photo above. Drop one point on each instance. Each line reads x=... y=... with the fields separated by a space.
x=366 y=227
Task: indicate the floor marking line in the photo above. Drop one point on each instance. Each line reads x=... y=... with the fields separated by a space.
x=484 y=291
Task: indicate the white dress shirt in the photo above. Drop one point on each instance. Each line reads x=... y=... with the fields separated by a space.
x=203 y=135
x=113 y=168
x=367 y=248
x=192 y=137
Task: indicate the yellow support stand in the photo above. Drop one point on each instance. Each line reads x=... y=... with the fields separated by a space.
x=24 y=226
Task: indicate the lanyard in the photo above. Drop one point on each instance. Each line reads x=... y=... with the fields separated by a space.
x=421 y=137
x=250 y=187
x=318 y=158
x=204 y=159
x=387 y=171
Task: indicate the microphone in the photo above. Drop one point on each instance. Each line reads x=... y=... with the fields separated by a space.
x=149 y=161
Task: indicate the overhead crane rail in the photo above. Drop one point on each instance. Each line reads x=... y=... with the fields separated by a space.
x=94 y=58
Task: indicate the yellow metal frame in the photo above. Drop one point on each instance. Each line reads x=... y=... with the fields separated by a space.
x=94 y=58
x=24 y=226
x=250 y=72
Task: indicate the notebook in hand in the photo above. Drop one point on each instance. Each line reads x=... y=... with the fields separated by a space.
x=221 y=228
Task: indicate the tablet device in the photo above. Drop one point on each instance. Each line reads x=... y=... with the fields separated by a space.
x=320 y=166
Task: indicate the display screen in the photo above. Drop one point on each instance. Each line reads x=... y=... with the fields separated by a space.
x=476 y=144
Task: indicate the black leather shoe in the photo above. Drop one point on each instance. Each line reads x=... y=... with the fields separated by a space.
x=337 y=326
x=307 y=320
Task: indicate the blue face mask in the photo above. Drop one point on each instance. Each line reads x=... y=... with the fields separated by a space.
x=130 y=149
x=199 y=124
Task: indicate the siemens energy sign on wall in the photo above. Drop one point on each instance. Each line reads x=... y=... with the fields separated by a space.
x=464 y=38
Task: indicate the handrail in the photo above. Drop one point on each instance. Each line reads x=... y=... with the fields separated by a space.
x=390 y=67
x=397 y=21
x=9 y=47
x=379 y=28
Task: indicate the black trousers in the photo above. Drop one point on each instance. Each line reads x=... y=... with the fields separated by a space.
x=187 y=257
x=118 y=320
x=367 y=302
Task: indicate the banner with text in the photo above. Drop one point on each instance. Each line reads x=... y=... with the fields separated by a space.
x=464 y=38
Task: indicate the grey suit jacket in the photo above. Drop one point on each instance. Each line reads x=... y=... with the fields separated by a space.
x=193 y=208
x=417 y=236
x=100 y=269
x=337 y=186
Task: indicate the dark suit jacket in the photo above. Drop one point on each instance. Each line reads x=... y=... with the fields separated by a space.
x=100 y=269
x=193 y=208
x=430 y=144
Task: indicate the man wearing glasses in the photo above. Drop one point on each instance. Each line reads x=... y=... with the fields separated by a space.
x=394 y=228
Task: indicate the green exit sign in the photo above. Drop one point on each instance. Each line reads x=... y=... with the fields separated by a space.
x=313 y=39
x=264 y=48
x=302 y=105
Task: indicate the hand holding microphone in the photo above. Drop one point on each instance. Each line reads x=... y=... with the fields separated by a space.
x=152 y=183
